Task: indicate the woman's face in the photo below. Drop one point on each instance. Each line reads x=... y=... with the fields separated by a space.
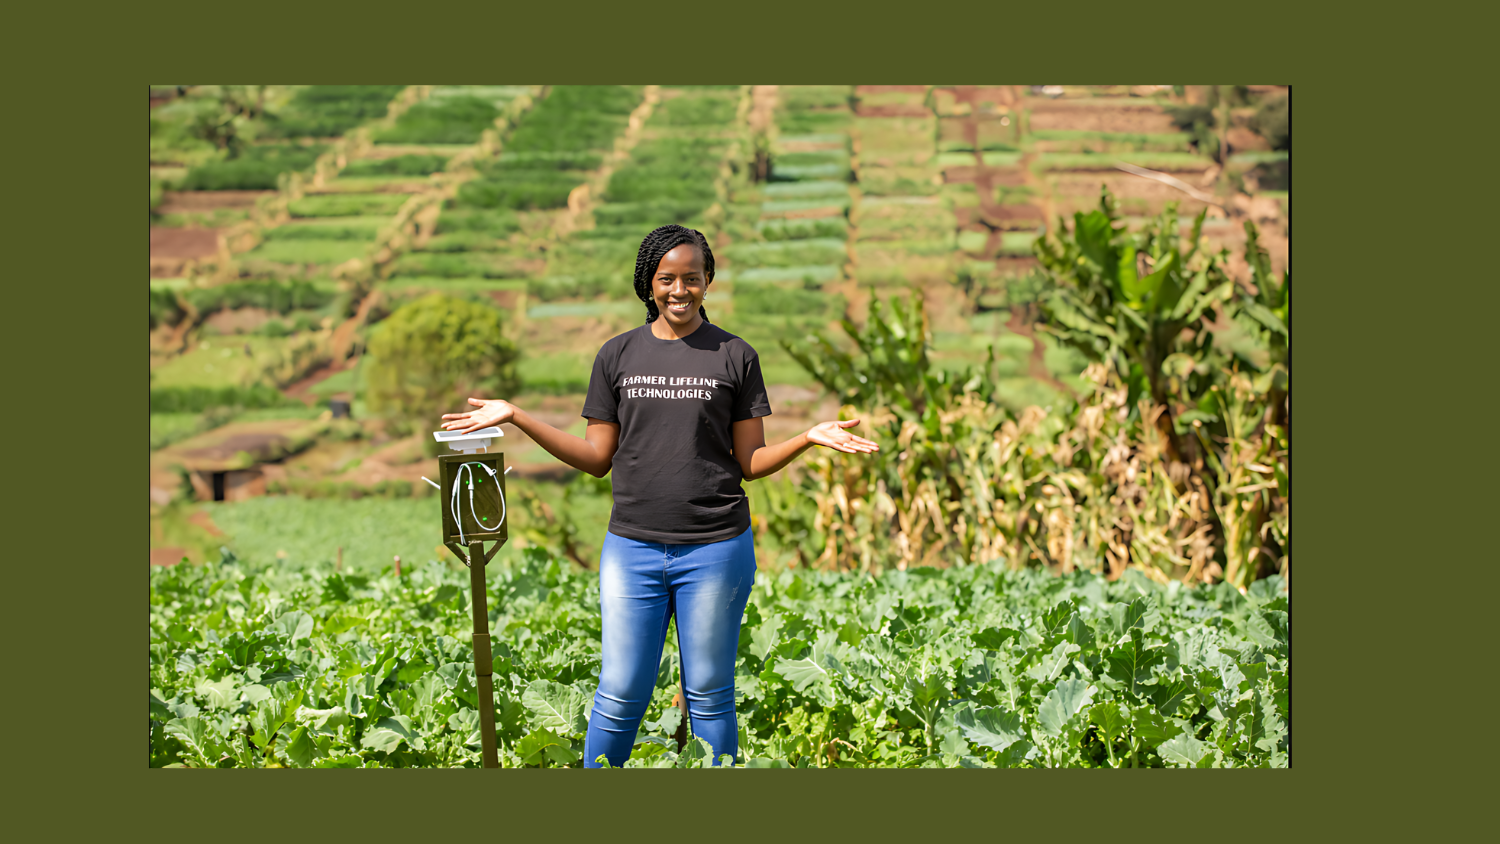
x=679 y=285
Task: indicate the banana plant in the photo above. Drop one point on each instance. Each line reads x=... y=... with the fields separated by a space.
x=1126 y=299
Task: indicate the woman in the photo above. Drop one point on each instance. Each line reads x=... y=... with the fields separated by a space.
x=674 y=407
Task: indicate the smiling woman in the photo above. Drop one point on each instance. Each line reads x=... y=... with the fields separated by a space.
x=675 y=410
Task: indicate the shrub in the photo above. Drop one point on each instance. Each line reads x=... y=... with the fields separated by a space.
x=432 y=352
x=1273 y=122
x=165 y=308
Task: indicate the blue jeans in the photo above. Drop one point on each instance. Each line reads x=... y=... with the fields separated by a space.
x=641 y=586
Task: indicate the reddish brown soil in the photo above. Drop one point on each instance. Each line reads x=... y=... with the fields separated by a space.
x=238 y=320
x=860 y=90
x=1087 y=115
x=205 y=521
x=183 y=243
x=182 y=202
x=1015 y=265
x=1008 y=176
x=167 y=556
x=302 y=390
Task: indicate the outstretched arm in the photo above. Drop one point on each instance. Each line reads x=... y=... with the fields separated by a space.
x=593 y=453
x=758 y=460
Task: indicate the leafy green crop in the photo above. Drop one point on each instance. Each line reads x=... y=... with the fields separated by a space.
x=964 y=667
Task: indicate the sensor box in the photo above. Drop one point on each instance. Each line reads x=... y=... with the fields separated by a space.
x=487 y=494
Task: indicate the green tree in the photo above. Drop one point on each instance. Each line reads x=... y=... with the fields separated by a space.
x=433 y=351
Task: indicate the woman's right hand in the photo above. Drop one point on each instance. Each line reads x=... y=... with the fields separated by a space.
x=489 y=412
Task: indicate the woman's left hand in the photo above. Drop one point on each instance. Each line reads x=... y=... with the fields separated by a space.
x=832 y=435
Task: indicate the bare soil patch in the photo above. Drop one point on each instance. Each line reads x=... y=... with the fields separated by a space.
x=188 y=201
x=1015 y=265
x=893 y=110
x=302 y=390
x=169 y=243
x=1100 y=116
x=1080 y=192
x=238 y=320
x=167 y=556
x=1009 y=176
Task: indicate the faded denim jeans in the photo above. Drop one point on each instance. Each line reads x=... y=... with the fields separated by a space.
x=641 y=586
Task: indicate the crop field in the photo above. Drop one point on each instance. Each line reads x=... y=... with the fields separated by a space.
x=1078 y=556
x=300 y=666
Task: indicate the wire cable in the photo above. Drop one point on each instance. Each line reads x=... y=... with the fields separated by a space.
x=457 y=509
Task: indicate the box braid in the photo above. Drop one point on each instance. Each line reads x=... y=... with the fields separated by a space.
x=655 y=247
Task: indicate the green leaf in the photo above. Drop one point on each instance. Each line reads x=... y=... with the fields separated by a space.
x=1052 y=664
x=1131 y=288
x=159 y=711
x=382 y=740
x=341 y=762
x=697 y=753
x=294 y=625
x=953 y=745
x=221 y=694
x=301 y=748
x=1172 y=693
x=1151 y=727
x=1093 y=234
x=1079 y=632
x=1054 y=622
x=541 y=744
x=562 y=709
x=193 y=732
x=465 y=722
x=994 y=638
x=1130 y=662
x=1186 y=751
x=670 y=720
x=1063 y=704
x=1112 y=719
x=1258 y=631
x=990 y=726
x=764 y=638
x=801 y=673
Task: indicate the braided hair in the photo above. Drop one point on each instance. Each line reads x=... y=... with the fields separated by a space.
x=655 y=247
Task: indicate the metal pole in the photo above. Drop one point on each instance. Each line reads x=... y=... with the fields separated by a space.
x=483 y=662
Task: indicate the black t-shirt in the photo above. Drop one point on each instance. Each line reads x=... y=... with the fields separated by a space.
x=675 y=477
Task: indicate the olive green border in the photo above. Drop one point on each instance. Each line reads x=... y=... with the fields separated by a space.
x=1355 y=405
